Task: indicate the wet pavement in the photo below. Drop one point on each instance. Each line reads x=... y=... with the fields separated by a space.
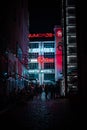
x=43 y=114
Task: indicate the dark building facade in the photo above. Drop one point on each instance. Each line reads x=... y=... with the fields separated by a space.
x=74 y=28
x=14 y=26
x=70 y=45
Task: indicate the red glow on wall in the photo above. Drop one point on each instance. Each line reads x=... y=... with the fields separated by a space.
x=59 y=33
x=38 y=35
x=59 y=56
x=59 y=60
x=41 y=59
x=59 y=49
x=48 y=60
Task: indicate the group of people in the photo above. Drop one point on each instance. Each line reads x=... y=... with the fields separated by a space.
x=51 y=91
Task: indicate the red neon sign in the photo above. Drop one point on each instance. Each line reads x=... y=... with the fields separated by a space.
x=40 y=35
x=59 y=33
x=41 y=59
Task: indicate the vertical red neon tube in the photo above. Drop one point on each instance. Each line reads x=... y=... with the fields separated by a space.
x=58 y=53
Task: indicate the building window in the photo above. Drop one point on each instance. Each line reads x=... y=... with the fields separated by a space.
x=72 y=40
x=72 y=59
x=48 y=45
x=71 y=70
x=49 y=65
x=72 y=50
x=49 y=55
x=33 y=55
x=49 y=77
x=71 y=12
x=33 y=45
x=33 y=65
x=71 y=21
x=72 y=30
x=33 y=76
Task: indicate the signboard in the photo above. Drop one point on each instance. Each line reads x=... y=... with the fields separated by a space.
x=38 y=35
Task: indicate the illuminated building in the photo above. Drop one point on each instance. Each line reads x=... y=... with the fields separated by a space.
x=70 y=42
x=45 y=58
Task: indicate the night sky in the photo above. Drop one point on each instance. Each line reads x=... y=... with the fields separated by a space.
x=43 y=16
